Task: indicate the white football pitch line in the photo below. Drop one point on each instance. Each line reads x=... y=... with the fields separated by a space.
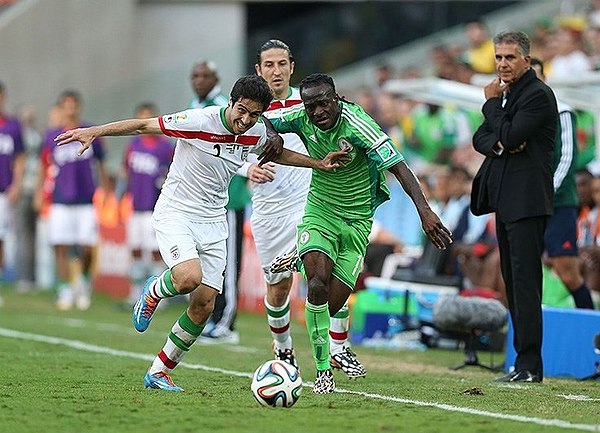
x=80 y=345
x=113 y=327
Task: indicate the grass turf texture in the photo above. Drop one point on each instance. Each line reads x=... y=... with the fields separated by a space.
x=67 y=387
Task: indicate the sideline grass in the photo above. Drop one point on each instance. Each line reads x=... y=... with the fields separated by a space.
x=62 y=387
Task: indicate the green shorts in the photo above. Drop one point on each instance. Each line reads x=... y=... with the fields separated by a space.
x=343 y=240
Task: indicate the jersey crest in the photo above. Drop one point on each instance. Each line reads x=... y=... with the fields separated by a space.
x=345 y=145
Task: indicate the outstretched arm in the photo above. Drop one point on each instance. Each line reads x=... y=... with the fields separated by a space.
x=437 y=233
x=332 y=161
x=123 y=127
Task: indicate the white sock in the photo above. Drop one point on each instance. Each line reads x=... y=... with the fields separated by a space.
x=338 y=330
x=279 y=323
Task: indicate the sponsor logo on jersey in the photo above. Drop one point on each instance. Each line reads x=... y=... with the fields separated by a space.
x=385 y=151
x=174 y=252
x=168 y=119
x=304 y=237
x=312 y=137
x=345 y=145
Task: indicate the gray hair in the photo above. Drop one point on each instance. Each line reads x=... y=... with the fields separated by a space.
x=520 y=39
x=210 y=65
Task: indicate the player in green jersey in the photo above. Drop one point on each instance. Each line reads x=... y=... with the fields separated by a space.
x=560 y=238
x=333 y=235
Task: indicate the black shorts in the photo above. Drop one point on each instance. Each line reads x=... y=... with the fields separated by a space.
x=561 y=232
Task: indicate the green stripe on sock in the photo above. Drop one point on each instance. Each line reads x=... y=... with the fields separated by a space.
x=188 y=326
x=166 y=285
x=316 y=308
x=178 y=342
x=278 y=313
x=342 y=314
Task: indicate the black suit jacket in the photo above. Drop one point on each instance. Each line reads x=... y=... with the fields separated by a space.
x=517 y=185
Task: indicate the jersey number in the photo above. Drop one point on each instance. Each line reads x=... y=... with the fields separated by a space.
x=218 y=150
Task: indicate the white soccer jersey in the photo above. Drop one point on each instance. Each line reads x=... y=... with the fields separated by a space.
x=287 y=193
x=207 y=155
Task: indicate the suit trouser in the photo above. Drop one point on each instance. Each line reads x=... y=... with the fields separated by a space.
x=521 y=244
x=225 y=311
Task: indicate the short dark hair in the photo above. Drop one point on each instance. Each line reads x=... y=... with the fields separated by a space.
x=70 y=94
x=146 y=105
x=316 y=80
x=513 y=37
x=254 y=88
x=270 y=44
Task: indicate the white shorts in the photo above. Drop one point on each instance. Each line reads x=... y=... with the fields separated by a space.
x=5 y=215
x=274 y=236
x=72 y=224
x=140 y=232
x=180 y=240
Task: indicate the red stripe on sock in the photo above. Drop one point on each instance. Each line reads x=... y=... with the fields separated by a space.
x=280 y=330
x=338 y=335
x=165 y=360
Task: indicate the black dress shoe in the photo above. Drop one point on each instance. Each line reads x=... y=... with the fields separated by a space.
x=520 y=376
x=506 y=378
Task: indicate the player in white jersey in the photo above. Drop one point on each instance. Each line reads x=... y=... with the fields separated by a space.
x=189 y=216
x=277 y=209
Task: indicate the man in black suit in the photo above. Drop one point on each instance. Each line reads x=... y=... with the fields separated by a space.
x=515 y=181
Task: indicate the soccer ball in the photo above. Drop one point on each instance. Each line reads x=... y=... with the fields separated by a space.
x=277 y=384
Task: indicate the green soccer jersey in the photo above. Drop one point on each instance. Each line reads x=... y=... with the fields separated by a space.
x=565 y=159
x=354 y=191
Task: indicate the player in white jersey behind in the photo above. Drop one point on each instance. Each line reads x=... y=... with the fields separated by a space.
x=189 y=216
x=277 y=209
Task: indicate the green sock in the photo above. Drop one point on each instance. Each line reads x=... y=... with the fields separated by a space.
x=317 y=324
x=163 y=288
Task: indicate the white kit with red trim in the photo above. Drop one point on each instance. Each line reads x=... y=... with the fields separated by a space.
x=206 y=157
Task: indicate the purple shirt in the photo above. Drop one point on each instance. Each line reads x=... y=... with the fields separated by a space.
x=74 y=180
x=147 y=161
x=11 y=145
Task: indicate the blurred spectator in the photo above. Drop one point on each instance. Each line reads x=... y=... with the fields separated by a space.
x=438 y=131
x=25 y=225
x=12 y=164
x=570 y=59
x=382 y=243
x=561 y=230
x=383 y=73
x=480 y=51
x=147 y=160
x=585 y=231
x=72 y=223
x=443 y=62
x=478 y=258
x=205 y=83
x=589 y=228
x=399 y=217
x=366 y=99
x=586 y=138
